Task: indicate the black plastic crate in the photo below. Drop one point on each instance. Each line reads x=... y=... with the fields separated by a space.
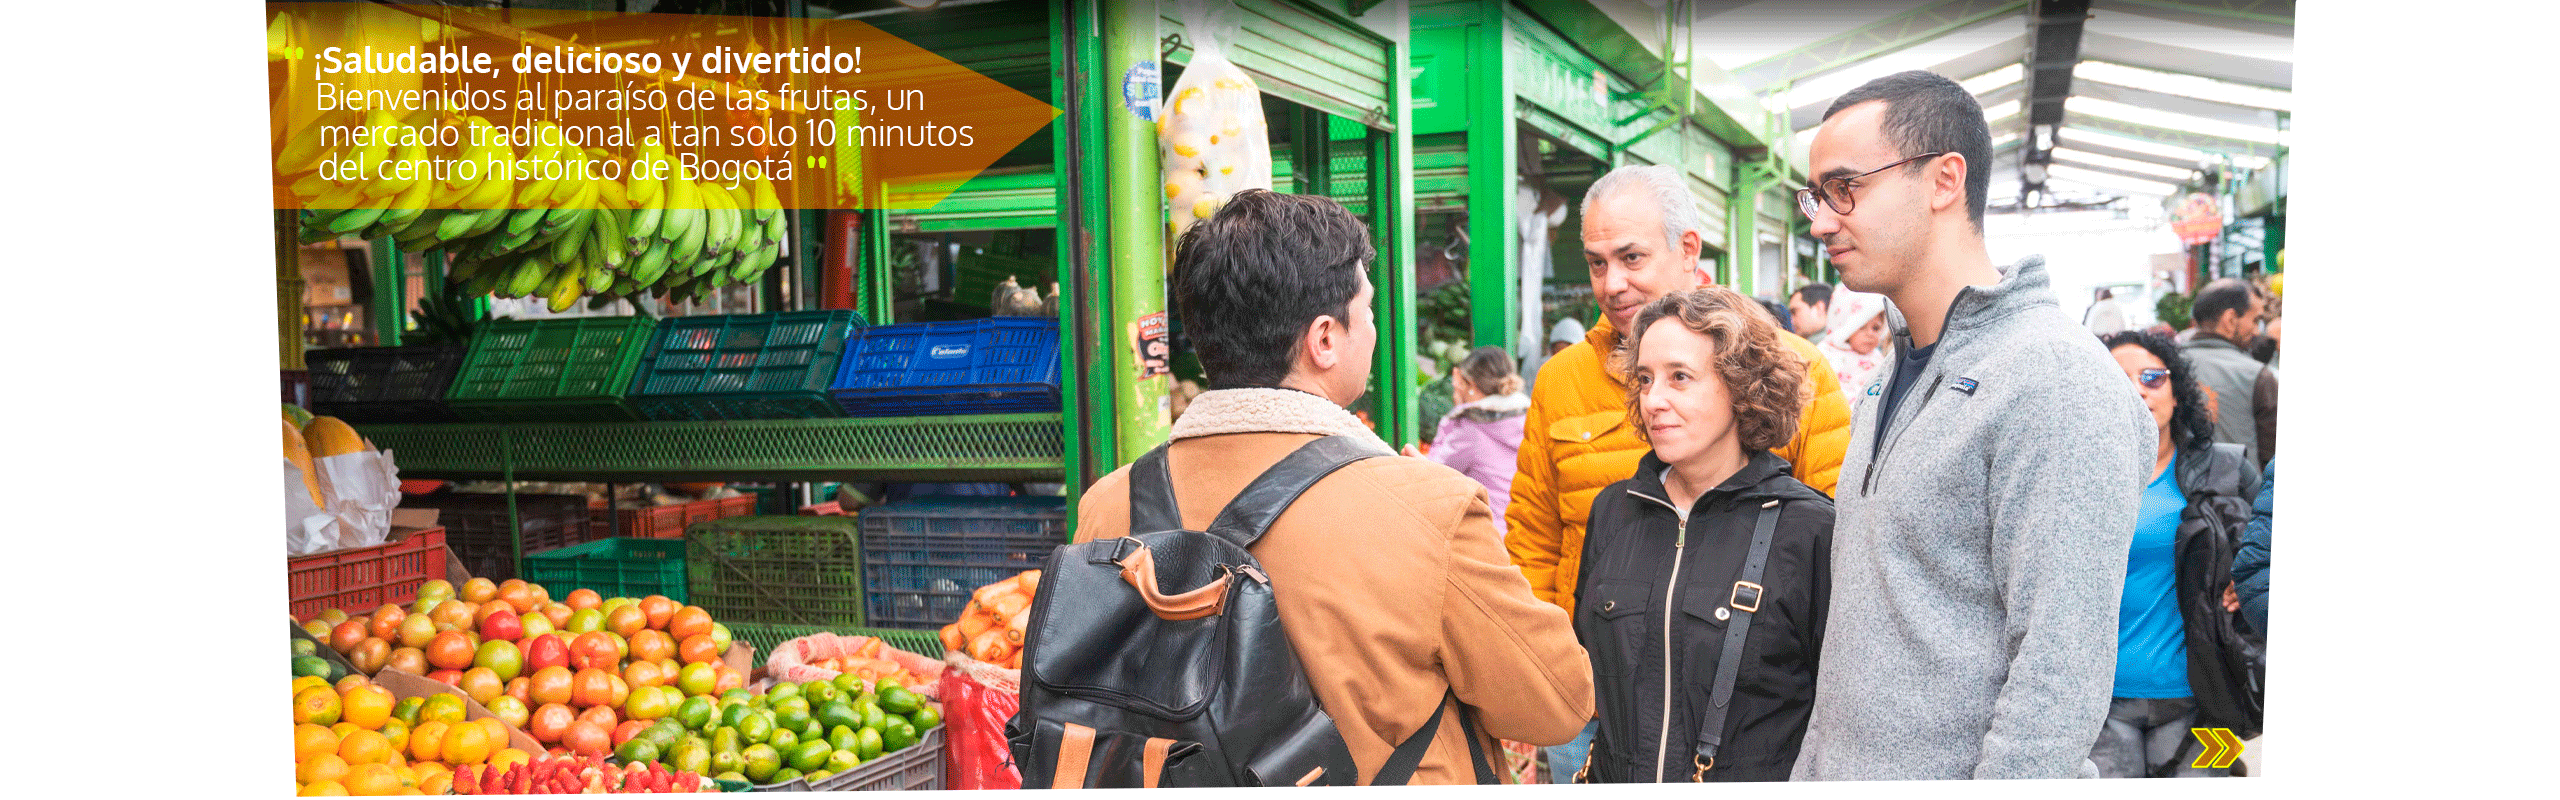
x=476 y=527
x=922 y=558
x=384 y=384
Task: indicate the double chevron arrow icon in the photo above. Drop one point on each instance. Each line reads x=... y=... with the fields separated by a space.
x=2220 y=748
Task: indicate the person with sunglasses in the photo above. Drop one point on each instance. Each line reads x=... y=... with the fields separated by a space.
x=1990 y=488
x=2174 y=625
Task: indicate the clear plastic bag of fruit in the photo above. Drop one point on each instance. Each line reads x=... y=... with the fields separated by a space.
x=1210 y=131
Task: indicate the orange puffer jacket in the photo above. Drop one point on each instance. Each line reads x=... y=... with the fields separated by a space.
x=1578 y=441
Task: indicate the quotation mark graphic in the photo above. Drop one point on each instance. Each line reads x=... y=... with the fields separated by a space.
x=2220 y=748
x=293 y=52
x=817 y=162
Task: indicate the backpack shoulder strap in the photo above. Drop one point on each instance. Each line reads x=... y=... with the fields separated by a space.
x=1245 y=518
x=1151 y=504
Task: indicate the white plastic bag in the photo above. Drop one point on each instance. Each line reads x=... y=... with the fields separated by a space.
x=307 y=529
x=363 y=489
x=1211 y=133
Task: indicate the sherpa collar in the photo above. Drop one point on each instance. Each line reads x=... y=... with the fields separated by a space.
x=1268 y=411
x=1493 y=408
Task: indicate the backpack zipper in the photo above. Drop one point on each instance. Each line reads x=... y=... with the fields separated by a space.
x=1679 y=550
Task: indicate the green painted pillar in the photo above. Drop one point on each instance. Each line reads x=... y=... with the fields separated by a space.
x=1134 y=265
x=1391 y=202
x=389 y=307
x=1493 y=162
x=1075 y=87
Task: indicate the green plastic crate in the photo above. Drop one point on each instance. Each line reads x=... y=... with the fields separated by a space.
x=619 y=567
x=743 y=366
x=778 y=570
x=766 y=637
x=568 y=369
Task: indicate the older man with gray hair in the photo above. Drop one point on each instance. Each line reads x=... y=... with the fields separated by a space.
x=1640 y=238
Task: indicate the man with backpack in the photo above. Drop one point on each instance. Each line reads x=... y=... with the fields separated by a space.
x=1402 y=613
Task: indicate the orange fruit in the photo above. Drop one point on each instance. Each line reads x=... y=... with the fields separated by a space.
x=323 y=767
x=497 y=730
x=367 y=706
x=372 y=780
x=426 y=743
x=509 y=757
x=322 y=789
x=317 y=705
x=307 y=681
x=344 y=730
x=349 y=683
x=445 y=707
x=436 y=784
x=312 y=740
x=479 y=590
x=408 y=775
x=398 y=733
x=467 y=743
x=364 y=747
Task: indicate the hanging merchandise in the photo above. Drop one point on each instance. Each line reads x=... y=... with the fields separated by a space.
x=2197 y=219
x=1211 y=131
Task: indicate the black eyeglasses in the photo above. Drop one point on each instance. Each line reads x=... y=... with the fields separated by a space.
x=2152 y=378
x=1835 y=191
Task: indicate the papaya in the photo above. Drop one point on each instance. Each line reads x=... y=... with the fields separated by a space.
x=298 y=452
x=296 y=415
x=330 y=436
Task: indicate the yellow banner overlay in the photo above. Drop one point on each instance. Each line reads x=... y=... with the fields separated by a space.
x=388 y=108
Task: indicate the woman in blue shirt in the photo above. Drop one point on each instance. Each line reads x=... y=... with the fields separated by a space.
x=2149 y=724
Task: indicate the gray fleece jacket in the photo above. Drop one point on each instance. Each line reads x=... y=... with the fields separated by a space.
x=1978 y=558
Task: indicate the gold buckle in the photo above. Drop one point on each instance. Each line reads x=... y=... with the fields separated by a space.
x=1703 y=766
x=1583 y=775
x=1756 y=594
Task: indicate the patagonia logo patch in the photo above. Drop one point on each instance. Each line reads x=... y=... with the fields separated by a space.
x=1965 y=385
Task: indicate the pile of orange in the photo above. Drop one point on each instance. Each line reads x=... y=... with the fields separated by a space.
x=356 y=738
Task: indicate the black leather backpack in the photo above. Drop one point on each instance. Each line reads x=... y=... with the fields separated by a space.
x=1158 y=659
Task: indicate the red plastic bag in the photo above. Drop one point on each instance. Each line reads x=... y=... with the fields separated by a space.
x=976 y=700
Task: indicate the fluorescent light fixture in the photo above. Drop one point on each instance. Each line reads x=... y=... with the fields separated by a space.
x=2127 y=164
x=1982 y=84
x=2001 y=110
x=1980 y=36
x=2196 y=86
x=2103 y=180
x=2164 y=119
x=2186 y=154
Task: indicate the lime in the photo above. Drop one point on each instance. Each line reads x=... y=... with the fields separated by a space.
x=780 y=691
x=887 y=684
x=899 y=701
x=925 y=719
x=783 y=739
x=730 y=715
x=840 y=759
x=838 y=713
x=848 y=685
x=639 y=750
x=695 y=713
x=761 y=762
x=872 y=716
x=736 y=696
x=868 y=743
x=820 y=692
x=791 y=718
x=811 y=755
x=756 y=727
x=406 y=711
x=813 y=730
x=898 y=736
x=691 y=757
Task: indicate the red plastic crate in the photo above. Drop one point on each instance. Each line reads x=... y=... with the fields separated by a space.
x=724 y=508
x=363 y=578
x=669 y=521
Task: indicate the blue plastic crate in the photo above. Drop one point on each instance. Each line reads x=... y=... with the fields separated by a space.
x=997 y=365
x=922 y=558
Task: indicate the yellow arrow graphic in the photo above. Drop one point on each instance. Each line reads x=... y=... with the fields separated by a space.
x=2233 y=754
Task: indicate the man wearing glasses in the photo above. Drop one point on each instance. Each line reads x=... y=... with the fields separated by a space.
x=1990 y=490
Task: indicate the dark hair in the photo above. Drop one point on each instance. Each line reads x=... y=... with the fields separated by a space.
x=1778 y=311
x=1490 y=369
x=1249 y=280
x=2191 y=423
x=1925 y=112
x=1766 y=380
x=1815 y=294
x=2219 y=297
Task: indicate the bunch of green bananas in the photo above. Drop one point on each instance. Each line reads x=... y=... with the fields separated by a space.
x=559 y=239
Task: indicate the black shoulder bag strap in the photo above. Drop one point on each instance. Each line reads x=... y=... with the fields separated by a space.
x=1247 y=517
x=1747 y=595
x=1151 y=505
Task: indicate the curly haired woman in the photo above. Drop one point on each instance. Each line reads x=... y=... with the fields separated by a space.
x=1706 y=576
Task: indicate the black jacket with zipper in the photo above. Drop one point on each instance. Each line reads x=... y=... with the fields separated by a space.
x=2226 y=666
x=1637 y=586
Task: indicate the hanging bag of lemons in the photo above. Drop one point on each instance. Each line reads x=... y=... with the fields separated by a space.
x=1210 y=131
